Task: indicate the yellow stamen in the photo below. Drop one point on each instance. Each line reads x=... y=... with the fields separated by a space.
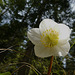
x=49 y=38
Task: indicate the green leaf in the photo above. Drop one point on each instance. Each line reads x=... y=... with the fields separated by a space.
x=6 y=73
x=1 y=2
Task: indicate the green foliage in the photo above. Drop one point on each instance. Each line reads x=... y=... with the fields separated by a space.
x=1 y=2
x=6 y=73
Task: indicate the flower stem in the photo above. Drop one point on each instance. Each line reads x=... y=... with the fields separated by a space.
x=50 y=67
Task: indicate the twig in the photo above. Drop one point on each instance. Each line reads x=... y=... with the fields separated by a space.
x=4 y=12
x=17 y=52
x=17 y=69
x=28 y=65
x=5 y=50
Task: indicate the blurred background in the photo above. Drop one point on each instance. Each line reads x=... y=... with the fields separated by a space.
x=17 y=52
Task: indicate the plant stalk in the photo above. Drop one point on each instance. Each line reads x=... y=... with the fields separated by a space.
x=50 y=67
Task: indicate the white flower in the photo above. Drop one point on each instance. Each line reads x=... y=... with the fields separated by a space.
x=50 y=39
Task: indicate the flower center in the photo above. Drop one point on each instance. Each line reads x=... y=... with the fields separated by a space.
x=49 y=38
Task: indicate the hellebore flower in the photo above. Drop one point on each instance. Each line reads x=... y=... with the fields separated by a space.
x=50 y=39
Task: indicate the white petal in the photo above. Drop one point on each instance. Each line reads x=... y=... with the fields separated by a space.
x=46 y=24
x=42 y=51
x=64 y=33
x=34 y=35
x=62 y=50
